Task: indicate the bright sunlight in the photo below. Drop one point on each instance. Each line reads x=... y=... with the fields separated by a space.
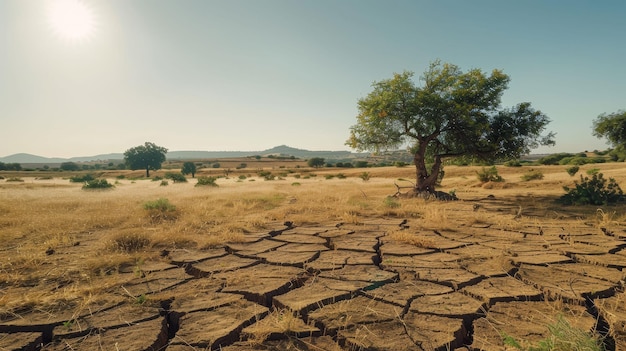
x=71 y=20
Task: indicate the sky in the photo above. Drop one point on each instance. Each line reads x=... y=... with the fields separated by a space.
x=248 y=75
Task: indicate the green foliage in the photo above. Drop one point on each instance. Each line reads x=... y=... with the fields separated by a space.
x=400 y=164
x=295 y=184
x=553 y=159
x=10 y=166
x=489 y=175
x=148 y=156
x=513 y=163
x=468 y=121
x=267 y=175
x=160 y=209
x=532 y=174
x=216 y=165
x=164 y=183
x=242 y=177
x=572 y=170
x=69 y=166
x=341 y=176
x=612 y=127
x=316 y=162
x=82 y=178
x=15 y=179
x=176 y=177
x=577 y=160
x=592 y=171
x=97 y=184
x=562 y=336
x=391 y=202
x=206 y=181
x=593 y=191
x=361 y=164
x=365 y=176
x=189 y=168
x=329 y=176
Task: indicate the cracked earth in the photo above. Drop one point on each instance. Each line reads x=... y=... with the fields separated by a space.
x=346 y=286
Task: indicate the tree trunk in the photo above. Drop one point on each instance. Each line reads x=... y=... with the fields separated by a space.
x=422 y=179
x=147 y=172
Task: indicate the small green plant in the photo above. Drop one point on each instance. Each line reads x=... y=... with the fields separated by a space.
x=391 y=202
x=97 y=184
x=513 y=163
x=572 y=170
x=489 y=175
x=141 y=299
x=593 y=171
x=329 y=176
x=593 y=191
x=365 y=176
x=295 y=184
x=82 y=178
x=68 y=324
x=206 y=181
x=161 y=209
x=341 y=176
x=242 y=177
x=562 y=336
x=121 y=176
x=533 y=174
x=164 y=183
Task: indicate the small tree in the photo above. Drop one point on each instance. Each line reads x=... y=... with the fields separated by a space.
x=189 y=168
x=69 y=166
x=316 y=162
x=454 y=114
x=148 y=156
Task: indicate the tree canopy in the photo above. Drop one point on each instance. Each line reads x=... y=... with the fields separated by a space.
x=612 y=127
x=148 y=156
x=452 y=114
x=316 y=162
x=189 y=168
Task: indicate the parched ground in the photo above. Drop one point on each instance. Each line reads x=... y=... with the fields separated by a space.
x=376 y=283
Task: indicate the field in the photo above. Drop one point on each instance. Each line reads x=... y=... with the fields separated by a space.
x=311 y=260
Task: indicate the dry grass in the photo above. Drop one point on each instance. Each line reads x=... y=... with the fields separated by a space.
x=92 y=234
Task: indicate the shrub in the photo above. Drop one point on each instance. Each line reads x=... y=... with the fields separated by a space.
x=97 y=184
x=489 y=175
x=532 y=175
x=593 y=191
x=242 y=177
x=572 y=170
x=295 y=184
x=329 y=176
x=161 y=209
x=164 y=183
x=82 y=178
x=215 y=165
x=365 y=176
x=513 y=163
x=593 y=171
x=176 y=177
x=391 y=202
x=341 y=176
x=207 y=181
x=400 y=164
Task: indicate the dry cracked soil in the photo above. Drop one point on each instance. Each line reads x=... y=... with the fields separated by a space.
x=341 y=286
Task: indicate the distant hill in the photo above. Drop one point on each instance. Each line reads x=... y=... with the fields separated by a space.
x=282 y=150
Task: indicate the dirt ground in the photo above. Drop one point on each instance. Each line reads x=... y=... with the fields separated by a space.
x=377 y=274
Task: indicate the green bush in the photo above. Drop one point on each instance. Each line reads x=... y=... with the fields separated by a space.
x=164 y=183
x=82 y=178
x=513 y=163
x=207 y=181
x=593 y=191
x=532 y=175
x=329 y=176
x=15 y=179
x=365 y=176
x=489 y=175
x=97 y=184
x=593 y=171
x=572 y=170
x=215 y=165
x=160 y=209
x=391 y=202
x=341 y=176
x=176 y=177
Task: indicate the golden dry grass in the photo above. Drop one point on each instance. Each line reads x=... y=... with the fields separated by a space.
x=106 y=230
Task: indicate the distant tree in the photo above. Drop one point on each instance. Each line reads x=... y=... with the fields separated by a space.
x=69 y=166
x=316 y=162
x=189 y=168
x=454 y=114
x=148 y=156
x=612 y=127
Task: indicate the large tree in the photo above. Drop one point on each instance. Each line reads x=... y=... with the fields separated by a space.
x=147 y=156
x=189 y=168
x=452 y=114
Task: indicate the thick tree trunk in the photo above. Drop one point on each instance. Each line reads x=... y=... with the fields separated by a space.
x=425 y=181
x=148 y=172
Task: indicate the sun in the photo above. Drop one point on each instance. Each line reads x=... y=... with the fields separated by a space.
x=72 y=20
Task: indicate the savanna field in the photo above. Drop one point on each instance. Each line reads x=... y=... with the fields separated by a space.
x=315 y=259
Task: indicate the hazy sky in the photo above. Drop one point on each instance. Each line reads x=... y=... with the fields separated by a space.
x=247 y=75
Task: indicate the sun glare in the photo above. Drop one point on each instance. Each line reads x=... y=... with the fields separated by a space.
x=72 y=20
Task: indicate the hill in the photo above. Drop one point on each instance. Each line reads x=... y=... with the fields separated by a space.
x=282 y=150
